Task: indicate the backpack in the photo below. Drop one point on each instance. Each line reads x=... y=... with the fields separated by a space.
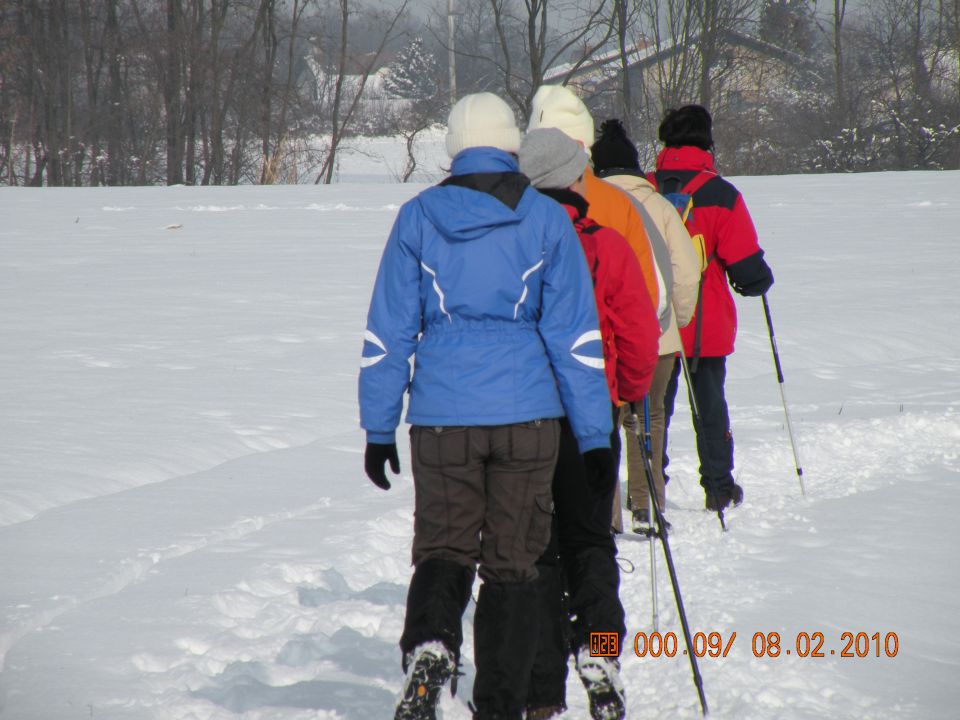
x=681 y=197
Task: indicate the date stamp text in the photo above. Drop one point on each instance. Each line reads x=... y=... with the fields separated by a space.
x=762 y=644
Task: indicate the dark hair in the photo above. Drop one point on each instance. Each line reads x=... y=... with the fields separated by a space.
x=690 y=125
x=614 y=149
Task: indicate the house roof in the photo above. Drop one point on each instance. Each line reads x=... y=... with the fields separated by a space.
x=609 y=58
x=645 y=54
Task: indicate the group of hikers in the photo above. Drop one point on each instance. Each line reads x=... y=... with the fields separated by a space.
x=547 y=288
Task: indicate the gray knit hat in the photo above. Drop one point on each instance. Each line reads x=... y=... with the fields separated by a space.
x=551 y=159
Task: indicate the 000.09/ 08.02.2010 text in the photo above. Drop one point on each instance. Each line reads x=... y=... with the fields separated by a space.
x=771 y=645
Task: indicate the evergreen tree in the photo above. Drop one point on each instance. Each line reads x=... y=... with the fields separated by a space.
x=413 y=73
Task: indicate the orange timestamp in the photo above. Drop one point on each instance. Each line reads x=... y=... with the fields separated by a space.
x=770 y=645
x=604 y=644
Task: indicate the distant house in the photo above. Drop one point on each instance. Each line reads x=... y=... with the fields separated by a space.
x=376 y=111
x=321 y=75
x=598 y=69
x=751 y=68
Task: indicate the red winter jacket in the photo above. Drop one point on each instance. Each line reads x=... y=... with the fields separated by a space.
x=628 y=321
x=730 y=241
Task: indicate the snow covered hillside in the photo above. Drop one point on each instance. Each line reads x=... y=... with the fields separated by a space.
x=186 y=530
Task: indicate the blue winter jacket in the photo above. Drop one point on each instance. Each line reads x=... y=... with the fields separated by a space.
x=497 y=303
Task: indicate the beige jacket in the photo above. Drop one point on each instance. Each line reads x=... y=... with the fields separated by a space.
x=683 y=257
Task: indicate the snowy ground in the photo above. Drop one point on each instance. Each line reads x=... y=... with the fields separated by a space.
x=186 y=530
x=384 y=159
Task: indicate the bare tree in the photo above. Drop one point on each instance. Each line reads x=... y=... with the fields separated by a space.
x=670 y=25
x=269 y=47
x=472 y=47
x=272 y=162
x=839 y=14
x=953 y=15
x=47 y=26
x=341 y=117
x=624 y=16
x=419 y=118
x=11 y=96
x=113 y=49
x=715 y=19
x=910 y=42
x=172 y=91
x=527 y=41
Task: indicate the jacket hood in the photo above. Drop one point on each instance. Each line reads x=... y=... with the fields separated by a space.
x=483 y=160
x=574 y=203
x=462 y=213
x=687 y=157
x=632 y=181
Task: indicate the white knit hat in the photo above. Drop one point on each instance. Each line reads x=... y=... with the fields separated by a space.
x=482 y=120
x=557 y=106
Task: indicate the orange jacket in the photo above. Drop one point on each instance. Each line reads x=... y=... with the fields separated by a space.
x=612 y=207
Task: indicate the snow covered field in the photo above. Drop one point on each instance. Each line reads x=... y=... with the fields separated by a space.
x=186 y=530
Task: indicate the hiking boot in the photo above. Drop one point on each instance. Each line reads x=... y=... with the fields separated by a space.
x=429 y=666
x=721 y=498
x=642 y=524
x=601 y=678
x=545 y=713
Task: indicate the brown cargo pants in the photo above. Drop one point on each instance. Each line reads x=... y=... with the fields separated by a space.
x=483 y=496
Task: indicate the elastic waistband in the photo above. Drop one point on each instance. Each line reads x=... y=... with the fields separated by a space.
x=459 y=327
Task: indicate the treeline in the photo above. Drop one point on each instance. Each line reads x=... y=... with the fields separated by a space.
x=132 y=92
x=794 y=85
x=118 y=92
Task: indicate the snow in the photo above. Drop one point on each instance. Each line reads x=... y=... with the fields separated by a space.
x=187 y=531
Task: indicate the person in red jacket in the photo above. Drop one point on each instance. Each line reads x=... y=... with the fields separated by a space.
x=686 y=166
x=581 y=556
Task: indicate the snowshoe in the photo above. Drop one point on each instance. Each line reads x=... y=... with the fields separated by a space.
x=642 y=525
x=429 y=666
x=601 y=678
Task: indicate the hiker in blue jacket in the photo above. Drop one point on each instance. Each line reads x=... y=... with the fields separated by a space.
x=484 y=281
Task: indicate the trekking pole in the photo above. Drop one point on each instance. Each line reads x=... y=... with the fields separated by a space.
x=647 y=449
x=783 y=393
x=687 y=379
x=661 y=532
x=697 y=424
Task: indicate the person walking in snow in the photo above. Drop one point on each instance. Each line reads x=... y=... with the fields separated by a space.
x=484 y=281
x=615 y=159
x=581 y=557
x=732 y=252
x=557 y=106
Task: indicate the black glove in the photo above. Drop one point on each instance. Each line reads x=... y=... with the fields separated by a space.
x=600 y=470
x=750 y=277
x=374 y=458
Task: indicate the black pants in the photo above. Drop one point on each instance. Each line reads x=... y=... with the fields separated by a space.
x=715 y=442
x=578 y=575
